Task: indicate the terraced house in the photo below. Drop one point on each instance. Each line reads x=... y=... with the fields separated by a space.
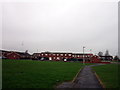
x=15 y=55
x=57 y=56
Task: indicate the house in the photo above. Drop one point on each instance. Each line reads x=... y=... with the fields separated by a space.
x=81 y=56
x=106 y=58
x=95 y=59
x=15 y=55
x=52 y=56
x=24 y=55
x=57 y=56
x=4 y=54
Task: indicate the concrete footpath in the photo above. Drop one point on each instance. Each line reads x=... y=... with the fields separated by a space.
x=85 y=79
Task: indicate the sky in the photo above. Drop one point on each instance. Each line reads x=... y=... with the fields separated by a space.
x=60 y=26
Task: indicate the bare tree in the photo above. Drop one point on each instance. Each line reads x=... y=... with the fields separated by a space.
x=100 y=54
x=107 y=53
x=116 y=58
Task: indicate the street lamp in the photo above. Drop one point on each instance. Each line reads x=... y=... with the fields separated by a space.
x=91 y=51
x=83 y=55
x=89 y=55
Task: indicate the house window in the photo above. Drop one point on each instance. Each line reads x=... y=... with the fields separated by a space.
x=58 y=58
x=50 y=58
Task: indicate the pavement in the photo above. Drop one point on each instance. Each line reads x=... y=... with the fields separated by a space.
x=85 y=79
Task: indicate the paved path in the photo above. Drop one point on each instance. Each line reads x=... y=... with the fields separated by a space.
x=85 y=79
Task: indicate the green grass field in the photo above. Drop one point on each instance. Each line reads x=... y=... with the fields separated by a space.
x=108 y=74
x=37 y=74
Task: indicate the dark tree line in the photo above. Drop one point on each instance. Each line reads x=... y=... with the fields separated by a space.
x=116 y=58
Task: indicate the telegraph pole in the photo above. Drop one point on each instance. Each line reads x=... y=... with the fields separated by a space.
x=83 y=56
x=90 y=56
x=91 y=51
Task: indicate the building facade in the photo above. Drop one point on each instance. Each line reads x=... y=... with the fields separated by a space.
x=106 y=58
x=15 y=55
x=52 y=56
x=65 y=57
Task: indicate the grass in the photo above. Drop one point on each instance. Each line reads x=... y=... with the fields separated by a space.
x=108 y=74
x=37 y=74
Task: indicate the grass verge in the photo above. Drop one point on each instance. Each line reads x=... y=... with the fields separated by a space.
x=108 y=74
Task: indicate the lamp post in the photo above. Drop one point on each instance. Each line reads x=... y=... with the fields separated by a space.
x=83 y=55
x=91 y=51
x=90 y=55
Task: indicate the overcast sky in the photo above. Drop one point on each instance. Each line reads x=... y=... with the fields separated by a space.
x=60 y=26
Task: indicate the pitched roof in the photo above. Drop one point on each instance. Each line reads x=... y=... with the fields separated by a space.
x=20 y=53
x=12 y=53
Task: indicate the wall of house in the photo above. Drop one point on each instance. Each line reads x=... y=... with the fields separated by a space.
x=13 y=56
x=95 y=59
x=55 y=56
x=65 y=56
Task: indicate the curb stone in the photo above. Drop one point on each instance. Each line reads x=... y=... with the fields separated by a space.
x=101 y=83
x=73 y=80
x=77 y=74
x=77 y=81
x=103 y=86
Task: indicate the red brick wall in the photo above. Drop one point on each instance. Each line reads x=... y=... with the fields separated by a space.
x=61 y=56
x=95 y=59
x=55 y=56
x=13 y=55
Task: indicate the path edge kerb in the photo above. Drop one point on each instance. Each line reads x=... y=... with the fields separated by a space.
x=101 y=83
x=72 y=81
x=77 y=74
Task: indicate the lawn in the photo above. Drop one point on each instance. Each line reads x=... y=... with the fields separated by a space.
x=37 y=74
x=108 y=74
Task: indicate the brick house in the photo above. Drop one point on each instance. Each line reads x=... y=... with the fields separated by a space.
x=95 y=59
x=4 y=54
x=13 y=55
x=24 y=55
x=106 y=58
x=65 y=56
x=52 y=56
x=80 y=56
